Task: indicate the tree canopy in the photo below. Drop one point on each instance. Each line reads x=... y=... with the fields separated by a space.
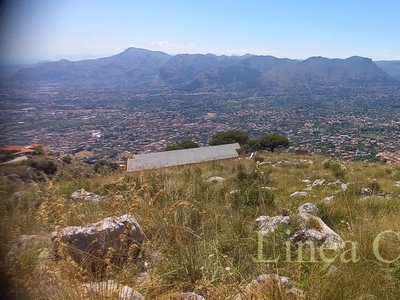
x=271 y=141
x=229 y=137
x=183 y=145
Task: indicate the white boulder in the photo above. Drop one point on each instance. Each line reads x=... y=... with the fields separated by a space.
x=299 y=194
x=81 y=194
x=95 y=240
x=268 y=225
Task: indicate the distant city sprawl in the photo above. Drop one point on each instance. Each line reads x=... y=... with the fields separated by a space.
x=349 y=123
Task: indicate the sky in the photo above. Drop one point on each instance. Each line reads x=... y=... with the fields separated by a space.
x=34 y=30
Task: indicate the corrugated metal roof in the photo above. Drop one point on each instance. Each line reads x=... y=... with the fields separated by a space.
x=181 y=157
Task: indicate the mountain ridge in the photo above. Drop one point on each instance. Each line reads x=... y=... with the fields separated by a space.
x=208 y=71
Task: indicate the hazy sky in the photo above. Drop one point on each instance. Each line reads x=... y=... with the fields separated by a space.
x=77 y=29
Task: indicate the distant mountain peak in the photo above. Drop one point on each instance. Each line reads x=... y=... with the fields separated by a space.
x=138 y=66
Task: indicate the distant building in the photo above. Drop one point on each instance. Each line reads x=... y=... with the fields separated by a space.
x=20 y=150
x=181 y=157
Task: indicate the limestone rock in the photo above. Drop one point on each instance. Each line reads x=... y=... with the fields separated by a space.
x=309 y=208
x=94 y=241
x=366 y=192
x=329 y=199
x=299 y=194
x=315 y=230
x=337 y=182
x=215 y=179
x=318 y=182
x=268 y=225
x=81 y=194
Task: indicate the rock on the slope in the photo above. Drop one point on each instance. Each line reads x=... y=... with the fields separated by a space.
x=313 y=229
x=268 y=225
x=215 y=179
x=329 y=199
x=318 y=182
x=271 y=286
x=111 y=290
x=234 y=192
x=117 y=235
x=81 y=194
x=366 y=192
x=309 y=208
x=337 y=182
x=298 y=194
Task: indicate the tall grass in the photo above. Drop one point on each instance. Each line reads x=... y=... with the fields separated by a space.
x=201 y=235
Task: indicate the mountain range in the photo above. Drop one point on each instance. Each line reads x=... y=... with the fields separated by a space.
x=190 y=72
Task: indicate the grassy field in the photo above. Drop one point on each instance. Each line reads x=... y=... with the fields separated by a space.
x=201 y=236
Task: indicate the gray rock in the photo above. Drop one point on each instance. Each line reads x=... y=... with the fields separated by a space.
x=366 y=192
x=306 y=161
x=110 y=289
x=86 y=244
x=318 y=182
x=215 y=179
x=344 y=186
x=309 y=208
x=329 y=199
x=337 y=182
x=316 y=231
x=299 y=194
x=268 y=225
x=81 y=194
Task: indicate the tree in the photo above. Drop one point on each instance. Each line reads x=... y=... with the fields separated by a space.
x=188 y=145
x=229 y=137
x=183 y=145
x=271 y=141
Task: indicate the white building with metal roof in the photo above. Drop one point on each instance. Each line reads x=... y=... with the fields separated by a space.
x=181 y=157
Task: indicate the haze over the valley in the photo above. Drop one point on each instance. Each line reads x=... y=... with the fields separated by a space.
x=32 y=31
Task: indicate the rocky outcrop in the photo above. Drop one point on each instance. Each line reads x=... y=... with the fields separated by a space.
x=268 y=225
x=81 y=194
x=119 y=237
x=313 y=229
x=271 y=286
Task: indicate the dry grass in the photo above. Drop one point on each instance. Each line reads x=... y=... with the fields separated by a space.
x=201 y=237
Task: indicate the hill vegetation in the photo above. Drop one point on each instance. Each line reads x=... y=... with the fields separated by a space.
x=201 y=235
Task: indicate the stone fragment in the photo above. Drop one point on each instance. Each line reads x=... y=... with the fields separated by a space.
x=81 y=194
x=299 y=194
